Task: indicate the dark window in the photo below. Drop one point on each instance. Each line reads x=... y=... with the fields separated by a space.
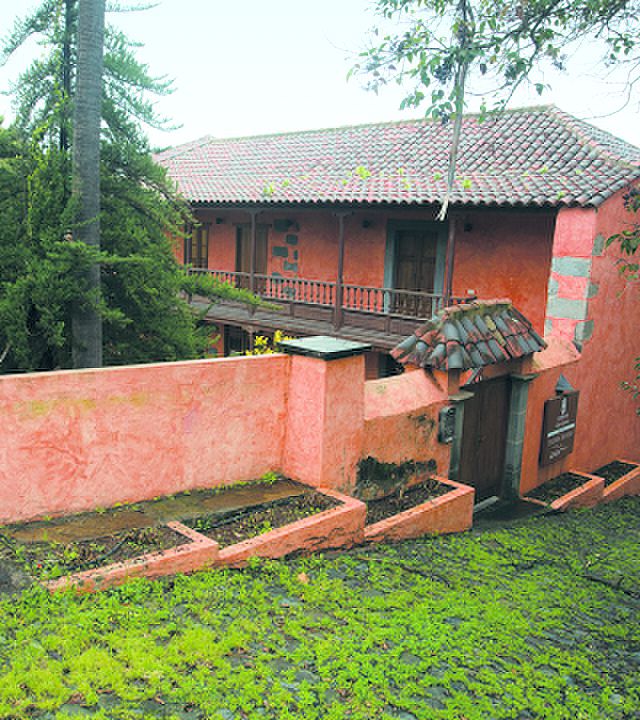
x=196 y=247
x=236 y=340
x=389 y=366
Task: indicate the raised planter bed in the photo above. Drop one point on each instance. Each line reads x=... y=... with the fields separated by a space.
x=621 y=477
x=341 y=524
x=236 y=526
x=571 y=489
x=444 y=512
x=195 y=553
x=338 y=527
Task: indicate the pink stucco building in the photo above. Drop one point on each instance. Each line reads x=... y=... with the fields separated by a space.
x=339 y=228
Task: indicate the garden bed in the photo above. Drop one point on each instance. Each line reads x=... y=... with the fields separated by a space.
x=340 y=525
x=310 y=520
x=252 y=521
x=194 y=552
x=620 y=478
x=401 y=500
x=51 y=559
x=569 y=489
x=433 y=507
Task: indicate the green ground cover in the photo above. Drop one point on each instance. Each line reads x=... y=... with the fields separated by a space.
x=536 y=620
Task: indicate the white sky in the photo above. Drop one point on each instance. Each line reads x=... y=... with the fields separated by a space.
x=260 y=66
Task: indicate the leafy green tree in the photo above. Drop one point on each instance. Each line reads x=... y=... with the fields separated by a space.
x=44 y=271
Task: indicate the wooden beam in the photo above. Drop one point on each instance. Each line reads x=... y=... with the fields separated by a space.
x=254 y=244
x=451 y=247
x=338 y=311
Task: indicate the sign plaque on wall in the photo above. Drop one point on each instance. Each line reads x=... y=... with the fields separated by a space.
x=558 y=427
x=446 y=424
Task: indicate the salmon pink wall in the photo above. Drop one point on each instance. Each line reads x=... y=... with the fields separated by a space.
x=558 y=358
x=75 y=440
x=401 y=420
x=325 y=421
x=607 y=424
x=505 y=255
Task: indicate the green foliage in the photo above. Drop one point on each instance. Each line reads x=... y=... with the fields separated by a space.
x=43 y=95
x=500 y=624
x=440 y=48
x=441 y=51
x=629 y=239
x=145 y=316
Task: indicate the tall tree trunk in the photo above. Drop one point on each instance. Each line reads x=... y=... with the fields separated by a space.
x=66 y=75
x=86 y=321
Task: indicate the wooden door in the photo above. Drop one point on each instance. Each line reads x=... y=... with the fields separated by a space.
x=484 y=436
x=243 y=254
x=415 y=269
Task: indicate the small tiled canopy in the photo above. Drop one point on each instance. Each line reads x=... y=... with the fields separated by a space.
x=470 y=336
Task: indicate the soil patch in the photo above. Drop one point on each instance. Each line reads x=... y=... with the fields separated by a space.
x=557 y=487
x=52 y=558
x=400 y=501
x=614 y=471
x=249 y=522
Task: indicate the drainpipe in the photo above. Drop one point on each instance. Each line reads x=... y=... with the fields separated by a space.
x=451 y=245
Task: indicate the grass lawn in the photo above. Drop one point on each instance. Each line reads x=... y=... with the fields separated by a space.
x=537 y=620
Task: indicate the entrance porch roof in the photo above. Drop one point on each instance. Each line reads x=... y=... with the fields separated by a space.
x=470 y=336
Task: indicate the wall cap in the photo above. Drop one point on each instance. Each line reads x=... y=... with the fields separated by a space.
x=324 y=347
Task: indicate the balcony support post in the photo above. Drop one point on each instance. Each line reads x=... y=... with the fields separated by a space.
x=254 y=255
x=339 y=298
x=451 y=246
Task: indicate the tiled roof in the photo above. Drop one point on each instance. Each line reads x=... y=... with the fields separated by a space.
x=469 y=336
x=530 y=157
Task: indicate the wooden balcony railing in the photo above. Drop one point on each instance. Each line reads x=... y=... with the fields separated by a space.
x=360 y=304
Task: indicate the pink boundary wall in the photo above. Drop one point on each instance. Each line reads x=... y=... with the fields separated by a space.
x=74 y=441
x=77 y=440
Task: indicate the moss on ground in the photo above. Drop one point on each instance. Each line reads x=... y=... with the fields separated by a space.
x=535 y=620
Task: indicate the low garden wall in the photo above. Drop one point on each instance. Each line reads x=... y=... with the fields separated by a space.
x=401 y=432
x=76 y=440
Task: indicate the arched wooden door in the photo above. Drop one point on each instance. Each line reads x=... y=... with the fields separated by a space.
x=484 y=436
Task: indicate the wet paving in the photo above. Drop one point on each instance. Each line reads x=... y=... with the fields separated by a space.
x=183 y=506
x=12 y=578
x=501 y=514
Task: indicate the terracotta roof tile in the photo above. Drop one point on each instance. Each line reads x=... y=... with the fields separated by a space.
x=536 y=156
x=470 y=336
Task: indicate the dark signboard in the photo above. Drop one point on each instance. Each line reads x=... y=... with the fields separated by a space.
x=558 y=427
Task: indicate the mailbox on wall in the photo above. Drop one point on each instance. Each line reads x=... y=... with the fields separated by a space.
x=559 y=427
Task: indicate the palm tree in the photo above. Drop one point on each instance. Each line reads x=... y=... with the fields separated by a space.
x=86 y=320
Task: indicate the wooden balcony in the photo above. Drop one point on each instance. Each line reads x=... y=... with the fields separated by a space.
x=381 y=316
